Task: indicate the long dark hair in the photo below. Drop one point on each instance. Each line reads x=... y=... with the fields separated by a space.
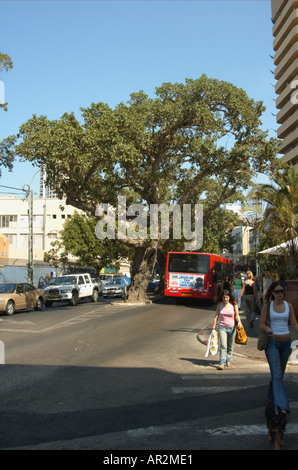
x=269 y=293
x=229 y=293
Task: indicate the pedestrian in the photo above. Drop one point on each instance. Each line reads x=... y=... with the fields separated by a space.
x=236 y=288
x=227 y=317
x=250 y=297
x=278 y=349
x=227 y=284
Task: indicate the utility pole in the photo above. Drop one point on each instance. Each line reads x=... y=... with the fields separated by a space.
x=29 y=196
x=30 y=237
x=30 y=226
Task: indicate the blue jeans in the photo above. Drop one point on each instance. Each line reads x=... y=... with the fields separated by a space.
x=236 y=295
x=227 y=339
x=278 y=353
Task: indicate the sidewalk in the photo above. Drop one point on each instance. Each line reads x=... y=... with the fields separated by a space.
x=249 y=350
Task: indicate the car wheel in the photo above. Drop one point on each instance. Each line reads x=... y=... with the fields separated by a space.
x=39 y=304
x=94 y=296
x=10 y=308
x=75 y=298
x=48 y=303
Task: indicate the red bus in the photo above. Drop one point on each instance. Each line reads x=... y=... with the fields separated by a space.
x=196 y=275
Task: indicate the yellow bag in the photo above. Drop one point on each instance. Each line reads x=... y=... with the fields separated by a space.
x=241 y=336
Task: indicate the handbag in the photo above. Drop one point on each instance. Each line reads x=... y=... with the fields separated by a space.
x=241 y=336
x=263 y=338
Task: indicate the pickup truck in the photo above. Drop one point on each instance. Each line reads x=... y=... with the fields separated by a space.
x=71 y=288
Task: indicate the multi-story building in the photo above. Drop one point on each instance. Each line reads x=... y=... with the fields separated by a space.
x=242 y=246
x=44 y=190
x=285 y=31
x=48 y=218
x=4 y=248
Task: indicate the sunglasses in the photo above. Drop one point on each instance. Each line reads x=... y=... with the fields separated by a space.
x=278 y=291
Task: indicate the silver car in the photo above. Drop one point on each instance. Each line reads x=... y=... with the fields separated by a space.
x=114 y=288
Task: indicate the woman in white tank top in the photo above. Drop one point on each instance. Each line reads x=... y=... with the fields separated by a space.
x=275 y=318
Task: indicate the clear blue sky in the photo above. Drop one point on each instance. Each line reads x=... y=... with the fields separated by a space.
x=68 y=54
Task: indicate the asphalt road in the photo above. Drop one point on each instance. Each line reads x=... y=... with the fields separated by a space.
x=101 y=376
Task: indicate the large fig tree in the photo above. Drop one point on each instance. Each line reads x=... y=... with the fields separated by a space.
x=169 y=149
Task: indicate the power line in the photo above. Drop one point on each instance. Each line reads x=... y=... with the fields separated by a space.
x=10 y=187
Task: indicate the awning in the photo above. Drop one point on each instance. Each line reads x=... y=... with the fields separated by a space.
x=282 y=249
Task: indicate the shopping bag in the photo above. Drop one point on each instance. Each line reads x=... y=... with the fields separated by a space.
x=212 y=344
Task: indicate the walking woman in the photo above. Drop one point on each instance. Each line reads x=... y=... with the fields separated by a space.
x=227 y=317
x=278 y=349
x=236 y=288
x=250 y=297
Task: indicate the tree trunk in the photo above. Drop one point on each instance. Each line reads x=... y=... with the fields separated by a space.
x=162 y=261
x=142 y=270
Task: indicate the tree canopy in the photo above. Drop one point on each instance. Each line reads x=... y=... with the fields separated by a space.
x=6 y=156
x=5 y=65
x=194 y=138
x=279 y=221
x=78 y=239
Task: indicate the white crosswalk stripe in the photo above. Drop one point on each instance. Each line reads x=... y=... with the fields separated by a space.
x=241 y=430
x=211 y=384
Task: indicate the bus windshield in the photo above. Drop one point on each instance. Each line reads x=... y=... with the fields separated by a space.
x=189 y=263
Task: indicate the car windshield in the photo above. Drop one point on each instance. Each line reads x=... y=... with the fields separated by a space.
x=114 y=282
x=7 y=288
x=64 y=280
x=104 y=277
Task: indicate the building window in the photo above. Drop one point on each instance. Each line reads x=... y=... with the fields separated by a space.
x=37 y=241
x=12 y=237
x=8 y=220
x=23 y=241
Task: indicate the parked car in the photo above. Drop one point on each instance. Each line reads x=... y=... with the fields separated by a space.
x=114 y=288
x=42 y=283
x=20 y=295
x=97 y=281
x=152 y=284
x=106 y=278
x=71 y=288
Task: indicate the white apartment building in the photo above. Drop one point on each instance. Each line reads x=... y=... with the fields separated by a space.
x=49 y=216
x=242 y=246
x=285 y=45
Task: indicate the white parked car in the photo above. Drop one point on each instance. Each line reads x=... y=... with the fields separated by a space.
x=71 y=288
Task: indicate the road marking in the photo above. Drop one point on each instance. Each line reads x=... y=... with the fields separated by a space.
x=248 y=430
x=94 y=314
x=211 y=376
x=208 y=390
x=241 y=430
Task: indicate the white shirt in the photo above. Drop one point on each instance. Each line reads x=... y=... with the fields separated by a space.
x=279 y=321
